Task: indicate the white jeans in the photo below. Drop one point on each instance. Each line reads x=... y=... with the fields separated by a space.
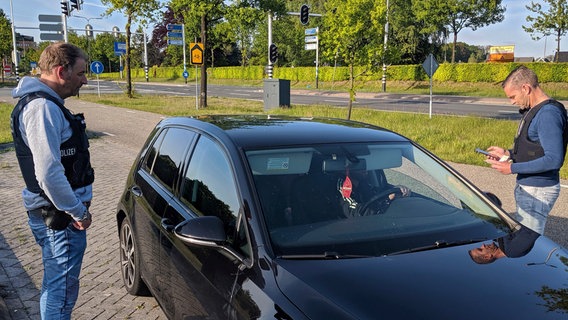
x=534 y=204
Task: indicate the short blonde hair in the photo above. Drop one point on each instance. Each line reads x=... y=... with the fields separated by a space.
x=60 y=54
x=519 y=76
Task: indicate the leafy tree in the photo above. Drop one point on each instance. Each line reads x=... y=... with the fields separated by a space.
x=5 y=36
x=143 y=11
x=456 y=15
x=160 y=38
x=354 y=32
x=199 y=16
x=554 y=21
x=243 y=20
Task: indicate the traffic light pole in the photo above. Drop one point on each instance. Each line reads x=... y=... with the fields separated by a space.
x=270 y=65
x=14 y=44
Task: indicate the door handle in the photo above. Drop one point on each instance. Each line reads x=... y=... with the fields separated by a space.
x=167 y=225
x=136 y=191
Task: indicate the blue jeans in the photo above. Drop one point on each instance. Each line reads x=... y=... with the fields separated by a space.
x=534 y=204
x=62 y=255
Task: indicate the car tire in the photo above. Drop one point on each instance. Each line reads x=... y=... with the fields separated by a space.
x=130 y=262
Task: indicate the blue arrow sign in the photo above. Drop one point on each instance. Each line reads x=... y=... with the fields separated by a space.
x=97 y=67
x=185 y=74
x=170 y=26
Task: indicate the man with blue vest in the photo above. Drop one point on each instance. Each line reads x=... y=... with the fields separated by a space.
x=538 y=150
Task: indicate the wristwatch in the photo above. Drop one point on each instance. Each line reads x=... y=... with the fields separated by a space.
x=86 y=216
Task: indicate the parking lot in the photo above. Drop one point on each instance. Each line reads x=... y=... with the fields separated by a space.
x=102 y=295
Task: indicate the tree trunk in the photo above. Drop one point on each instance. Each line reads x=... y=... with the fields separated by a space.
x=351 y=91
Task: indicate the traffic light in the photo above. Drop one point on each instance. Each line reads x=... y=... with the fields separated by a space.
x=65 y=7
x=304 y=14
x=273 y=53
x=75 y=4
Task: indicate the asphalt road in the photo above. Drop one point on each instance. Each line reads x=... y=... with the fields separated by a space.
x=121 y=134
x=498 y=108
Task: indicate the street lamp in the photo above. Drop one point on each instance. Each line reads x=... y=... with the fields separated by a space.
x=88 y=31
x=89 y=34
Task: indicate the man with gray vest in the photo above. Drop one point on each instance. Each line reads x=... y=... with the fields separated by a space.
x=538 y=150
x=52 y=150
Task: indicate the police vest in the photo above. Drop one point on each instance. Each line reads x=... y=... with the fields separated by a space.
x=75 y=155
x=525 y=150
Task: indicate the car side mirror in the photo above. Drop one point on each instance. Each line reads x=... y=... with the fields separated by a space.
x=208 y=231
x=205 y=230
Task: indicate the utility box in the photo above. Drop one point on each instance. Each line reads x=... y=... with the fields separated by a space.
x=276 y=93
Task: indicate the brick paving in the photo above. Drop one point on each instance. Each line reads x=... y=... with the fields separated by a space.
x=102 y=295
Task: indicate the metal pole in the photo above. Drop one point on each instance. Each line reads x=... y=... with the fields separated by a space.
x=317 y=58
x=183 y=40
x=269 y=71
x=385 y=50
x=14 y=44
x=64 y=19
x=145 y=57
x=431 y=68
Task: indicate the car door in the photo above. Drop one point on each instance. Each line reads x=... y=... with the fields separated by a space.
x=204 y=282
x=154 y=183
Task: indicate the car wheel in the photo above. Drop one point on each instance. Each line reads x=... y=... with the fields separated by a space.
x=129 y=262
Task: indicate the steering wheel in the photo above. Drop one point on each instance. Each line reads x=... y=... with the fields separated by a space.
x=383 y=195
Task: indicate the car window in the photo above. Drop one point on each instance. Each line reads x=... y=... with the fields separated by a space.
x=209 y=189
x=169 y=155
x=364 y=199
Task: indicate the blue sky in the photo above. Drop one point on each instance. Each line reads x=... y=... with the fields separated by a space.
x=508 y=32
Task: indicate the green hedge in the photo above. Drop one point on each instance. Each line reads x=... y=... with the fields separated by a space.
x=457 y=72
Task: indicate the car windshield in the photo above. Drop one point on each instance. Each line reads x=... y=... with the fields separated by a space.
x=366 y=200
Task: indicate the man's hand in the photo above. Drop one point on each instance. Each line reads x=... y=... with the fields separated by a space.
x=82 y=225
x=502 y=166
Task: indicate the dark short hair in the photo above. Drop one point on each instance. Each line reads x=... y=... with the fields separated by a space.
x=519 y=76
x=60 y=54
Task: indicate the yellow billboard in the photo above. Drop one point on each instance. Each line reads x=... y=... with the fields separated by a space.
x=501 y=54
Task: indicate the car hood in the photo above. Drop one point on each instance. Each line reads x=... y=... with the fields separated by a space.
x=436 y=284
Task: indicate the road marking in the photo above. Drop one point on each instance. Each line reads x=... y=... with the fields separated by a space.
x=108 y=134
x=563 y=186
x=508 y=111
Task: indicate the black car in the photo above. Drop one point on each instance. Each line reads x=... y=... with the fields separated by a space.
x=263 y=217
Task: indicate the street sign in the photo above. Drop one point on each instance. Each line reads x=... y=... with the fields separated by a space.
x=174 y=34
x=311 y=46
x=49 y=18
x=97 y=67
x=51 y=27
x=119 y=48
x=51 y=36
x=185 y=74
x=430 y=65
x=309 y=39
x=311 y=31
x=170 y=26
x=175 y=42
x=7 y=68
x=196 y=52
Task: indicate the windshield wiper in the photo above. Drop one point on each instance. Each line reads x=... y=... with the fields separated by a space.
x=437 y=245
x=323 y=256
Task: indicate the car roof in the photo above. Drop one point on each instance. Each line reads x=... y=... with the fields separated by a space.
x=264 y=131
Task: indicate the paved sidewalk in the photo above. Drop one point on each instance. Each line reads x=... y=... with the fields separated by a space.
x=102 y=295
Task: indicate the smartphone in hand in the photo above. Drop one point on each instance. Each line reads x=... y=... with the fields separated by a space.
x=478 y=150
